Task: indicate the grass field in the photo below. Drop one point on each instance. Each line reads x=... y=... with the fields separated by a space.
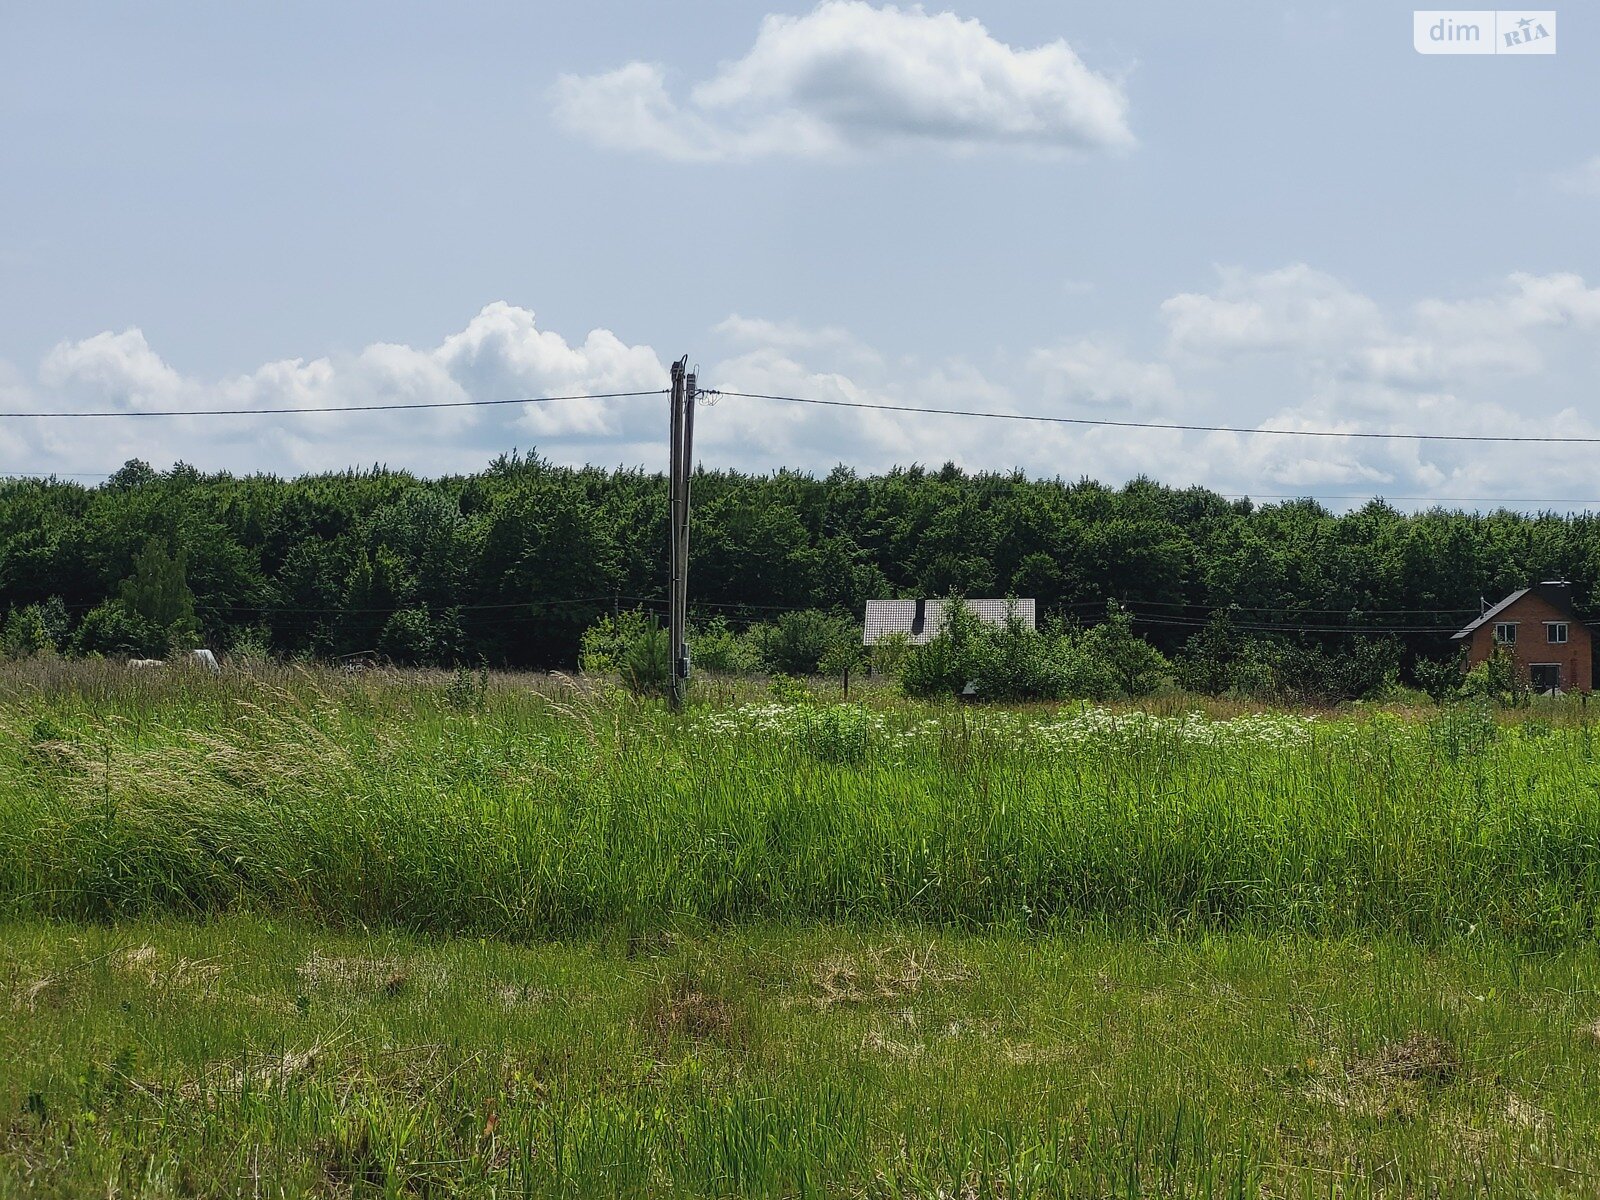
x=289 y=932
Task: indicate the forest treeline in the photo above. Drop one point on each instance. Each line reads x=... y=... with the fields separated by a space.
x=510 y=565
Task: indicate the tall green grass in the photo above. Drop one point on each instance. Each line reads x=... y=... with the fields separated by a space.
x=447 y=804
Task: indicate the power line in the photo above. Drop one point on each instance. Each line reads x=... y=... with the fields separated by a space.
x=1291 y=610
x=1417 y=499
x=1266 y=627
x=334 y=408
x=1000 y=416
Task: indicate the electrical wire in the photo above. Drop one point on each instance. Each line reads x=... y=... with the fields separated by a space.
x=333 y=408
x=1316 y=433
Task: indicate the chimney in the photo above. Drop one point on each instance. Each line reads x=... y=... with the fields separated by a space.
x=921 y=619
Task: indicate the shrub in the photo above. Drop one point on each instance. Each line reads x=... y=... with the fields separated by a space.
x=1497 y=678
x=251 y=643
x=26 y=633
x=646 y=662
x=1014 y=662
x=786 y=689
x=112 y=628
x=407 y=637
x=888 y=654
x=1137 y=666
x=604 y=644
x=716 y=647
x=797 y=642
x=1440 y=678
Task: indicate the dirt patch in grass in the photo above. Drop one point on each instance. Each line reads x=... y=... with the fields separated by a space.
x=685 y=1006
x=168 y=971
x=48 y=991
x=513 y=996
x=1394 y=1081
x=373 y=976
x=1422 y=1057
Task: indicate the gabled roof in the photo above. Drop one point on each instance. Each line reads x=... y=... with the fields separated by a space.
x=1558 y=595
x=900 y=616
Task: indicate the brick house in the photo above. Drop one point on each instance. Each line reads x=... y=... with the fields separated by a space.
x=1551 y=646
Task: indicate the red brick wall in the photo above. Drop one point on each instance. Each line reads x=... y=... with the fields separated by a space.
x=1530 y=613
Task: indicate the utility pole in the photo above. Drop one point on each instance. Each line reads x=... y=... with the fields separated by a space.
x=680 y=460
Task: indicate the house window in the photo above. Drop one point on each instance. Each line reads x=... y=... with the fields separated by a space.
x=1505 y=633
x=1555 y=632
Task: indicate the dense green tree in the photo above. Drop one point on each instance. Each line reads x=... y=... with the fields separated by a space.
x=511 y=564
x=158 y=593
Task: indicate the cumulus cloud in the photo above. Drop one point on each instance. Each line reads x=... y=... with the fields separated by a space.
x=1292 y=308
x=1327 y=325
x=120 y=367
x=850 y=77
x=501 y=354
x=1095 y=371
x=1288 y=349
x=1291 y=348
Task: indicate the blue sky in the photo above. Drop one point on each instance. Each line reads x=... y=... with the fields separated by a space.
x=1265 y=213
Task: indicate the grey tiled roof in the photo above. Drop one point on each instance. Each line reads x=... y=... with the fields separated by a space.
x=899 y=616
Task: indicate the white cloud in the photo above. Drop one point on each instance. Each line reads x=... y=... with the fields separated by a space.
x=1288 y=349
x=119 y=367
x=500 y=355
x=1327 y=326
x=1292 y=308
x=1581 y=180
x=850 y=77
x=1095 y=371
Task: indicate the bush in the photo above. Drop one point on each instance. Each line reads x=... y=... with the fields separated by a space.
x=797 y=642
x=888 y=654
x=26 y=633
x=1137 y=667
x=837 y=733
x=932 y=670
x=604 y=644
x=1014 y=662
x=716 y=647
x=646 y=662
x=407 y=637
x=251 y=643
x=1440 y=678
x=114 y=629
x=1219 y=661
x=1497 y=678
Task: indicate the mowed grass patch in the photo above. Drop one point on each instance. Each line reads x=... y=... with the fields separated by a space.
x=243 y=1057
x=432 y=803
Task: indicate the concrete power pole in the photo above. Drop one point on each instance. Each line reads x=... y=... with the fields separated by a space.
x=680 y=462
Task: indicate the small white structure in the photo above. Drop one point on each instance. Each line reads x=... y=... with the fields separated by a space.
x=921 y=620
x=203 y=660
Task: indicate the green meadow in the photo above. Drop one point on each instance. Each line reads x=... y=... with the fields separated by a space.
x=290 y=932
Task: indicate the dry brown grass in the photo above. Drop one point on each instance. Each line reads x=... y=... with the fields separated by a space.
x=685 y=1006
x=373 y=976
x=1419 y=1056
x=887 y=974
